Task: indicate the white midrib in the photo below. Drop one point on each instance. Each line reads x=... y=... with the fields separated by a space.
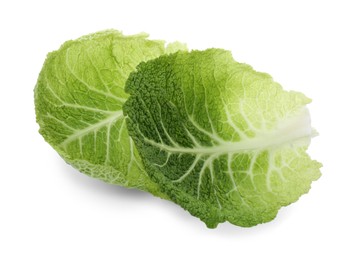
x=94 y=127
x=289 y=131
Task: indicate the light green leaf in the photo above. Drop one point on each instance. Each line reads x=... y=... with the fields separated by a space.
x=225 y=142
x=79 y=97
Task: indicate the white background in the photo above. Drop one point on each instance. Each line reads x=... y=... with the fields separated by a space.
x=51 y=211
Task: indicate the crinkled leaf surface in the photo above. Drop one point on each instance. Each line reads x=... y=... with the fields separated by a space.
x=225 y=142
x=79 y=97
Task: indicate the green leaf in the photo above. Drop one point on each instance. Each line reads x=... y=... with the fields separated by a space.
x=79 y=97
x=225 y=142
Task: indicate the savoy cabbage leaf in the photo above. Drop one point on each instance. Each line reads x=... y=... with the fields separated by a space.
x=78 y=99
x=225 y=142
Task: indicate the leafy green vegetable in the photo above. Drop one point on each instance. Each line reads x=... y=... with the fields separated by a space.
x=225 y=142
x=79 y=97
